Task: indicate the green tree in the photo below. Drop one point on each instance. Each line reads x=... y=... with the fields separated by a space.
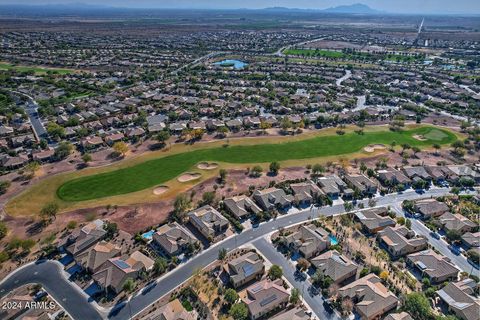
x=49 y=211
x=256 y=171
x=4 y=185
x=274 y=167
x=160 y=265
x=275 y=272
x=111 y=228
x=55 y=131
x=222 y=254
x=363 y=167
x=129 y=285
x=3 y=230
x=223 y=175
x=162 y=136
x=318 y=169
x=408 y=223
x=231 y=296
x=303 y=264
x=294 y=296
x=71 y=225
x=417 y=305
x=31 y=168
x=348 y=206
x=87 y=157
x=181 y=204
x=286 y=124
x=408 y=205
x=454 y=235
x=238 y=311
x=27 y=244
x=120 y=148
x=208 y=197
x=63 y=150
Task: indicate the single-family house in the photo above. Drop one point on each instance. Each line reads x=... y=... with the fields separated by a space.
x=434 y=266
x=370 y=297
x=241 y=206
x=208 y=221
x=173 y=239
x=264 y=297
x=244 y=269
x=308 y=240
x=400 y=241
x=336 y=266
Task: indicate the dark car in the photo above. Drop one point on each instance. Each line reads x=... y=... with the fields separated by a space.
x=435 y=235
x=328 y=306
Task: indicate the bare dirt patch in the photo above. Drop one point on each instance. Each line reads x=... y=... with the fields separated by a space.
x=160 y=190
x=373 y=147
x=419 y=137
x=207 y=166
x=189 y=176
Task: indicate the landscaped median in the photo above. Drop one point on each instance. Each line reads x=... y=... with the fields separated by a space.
x=141 y=175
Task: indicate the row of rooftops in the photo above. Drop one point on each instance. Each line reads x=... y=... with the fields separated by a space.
x=104 y=259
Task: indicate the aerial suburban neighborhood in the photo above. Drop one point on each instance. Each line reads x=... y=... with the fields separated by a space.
x=196 y=161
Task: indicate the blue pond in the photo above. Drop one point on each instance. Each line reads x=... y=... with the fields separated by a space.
x=236 y=64
x=333 y=239
x=148 y=235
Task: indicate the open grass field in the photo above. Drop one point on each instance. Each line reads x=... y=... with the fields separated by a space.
x=36 y=70
x=154 y=172
x=332 y=54
x=132 y=180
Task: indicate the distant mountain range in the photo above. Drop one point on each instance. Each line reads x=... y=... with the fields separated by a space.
x=357 y=8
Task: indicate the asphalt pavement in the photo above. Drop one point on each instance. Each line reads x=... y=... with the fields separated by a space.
x=51 y=276
x=315 y=301
x=173 y=279
x=439 y=244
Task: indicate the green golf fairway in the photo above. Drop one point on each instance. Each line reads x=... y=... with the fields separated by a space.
x=154 y=172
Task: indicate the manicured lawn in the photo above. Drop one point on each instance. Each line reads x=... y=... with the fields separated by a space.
x=157 y=171
x=315 y=53
x=353 y=55
x=187 y=305
x=37 y=70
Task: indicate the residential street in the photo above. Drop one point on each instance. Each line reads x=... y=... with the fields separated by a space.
x=177 y=276
x=314 y=301
x=31 y=108
x=438 y=244
x=51 y=276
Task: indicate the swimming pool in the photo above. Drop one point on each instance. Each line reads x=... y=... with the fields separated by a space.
x=333 y=239
x=148 y=235
x=236 y=64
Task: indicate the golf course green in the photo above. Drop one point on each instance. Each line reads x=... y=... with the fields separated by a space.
x=157 y=171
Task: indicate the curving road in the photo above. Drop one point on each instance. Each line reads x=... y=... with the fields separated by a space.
x=77 y=304
x=53 y=278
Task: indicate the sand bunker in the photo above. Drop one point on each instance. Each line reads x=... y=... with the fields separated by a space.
x=373 y=147
x=189 y=176
x=419 y=137
x=207 y=166
x=159 y=190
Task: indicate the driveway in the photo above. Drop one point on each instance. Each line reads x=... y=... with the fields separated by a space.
x=51 y=276
x=314 y=301
x=54 y=282
x=439 y=244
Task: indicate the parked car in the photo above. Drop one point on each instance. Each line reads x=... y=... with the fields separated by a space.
x=454 y=249
x=435 y=235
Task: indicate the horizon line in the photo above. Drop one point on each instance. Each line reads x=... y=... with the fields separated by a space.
x=375 y=11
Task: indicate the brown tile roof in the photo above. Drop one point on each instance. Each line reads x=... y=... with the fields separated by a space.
x=373 y=298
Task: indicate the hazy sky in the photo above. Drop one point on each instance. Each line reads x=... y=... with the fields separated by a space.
x=400 y=6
